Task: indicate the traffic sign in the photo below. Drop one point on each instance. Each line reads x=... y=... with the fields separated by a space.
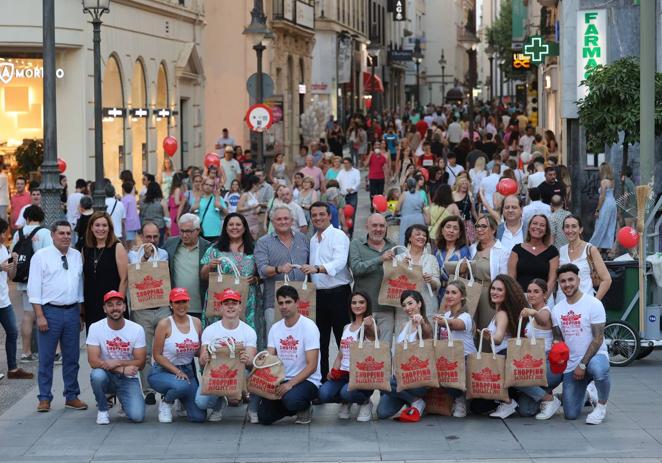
x=259 y=117
x=267 y=85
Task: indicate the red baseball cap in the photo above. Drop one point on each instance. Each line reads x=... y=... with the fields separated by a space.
x=179 y=294
x=112 y=295
x=558 y=357
x=230 y=294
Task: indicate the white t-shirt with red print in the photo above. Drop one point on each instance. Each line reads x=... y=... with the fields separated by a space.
x=292 y=343
x=574 y=321
x=116 y=344
x=243 y=333
x=346 y=340
x=180 y=348
x=466 y=335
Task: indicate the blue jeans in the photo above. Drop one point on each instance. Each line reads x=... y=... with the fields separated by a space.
x=298 y=399
x=336 y=391
x=172 y=388
x=8 y=322
x=574 y=391
x=528 y=403
x=127 y=390
x=63 y=328
x=391 y=402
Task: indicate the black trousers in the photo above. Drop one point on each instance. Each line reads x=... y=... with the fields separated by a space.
x=376 y=188
x=332 y=314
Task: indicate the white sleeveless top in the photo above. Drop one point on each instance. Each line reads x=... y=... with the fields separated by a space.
x=180 y=348
x=346 y=340
x=540 y=333
x=504 y=343
x=585 y=283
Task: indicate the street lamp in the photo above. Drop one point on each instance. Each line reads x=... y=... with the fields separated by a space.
x=442 y=63
x=373 y=52
x=417 y=56
x=260 y=33
x=96 y=8
x=490 y=50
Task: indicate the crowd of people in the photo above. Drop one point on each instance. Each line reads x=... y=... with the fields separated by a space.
x=295 y=221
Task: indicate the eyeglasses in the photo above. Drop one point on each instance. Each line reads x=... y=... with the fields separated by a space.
x=65 y=264
x=482 y=225
x=193 y=230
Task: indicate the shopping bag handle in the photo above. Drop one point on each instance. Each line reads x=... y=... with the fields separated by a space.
x=152 y=258
x=394 y=249
x=362 y=335
x=518 y=341
x=480 y=345
x=233 y=267
x=304 y=284
x=435 y=337
x=262 y=355
x=223 y=341
x=419 y=332
x=471 y=272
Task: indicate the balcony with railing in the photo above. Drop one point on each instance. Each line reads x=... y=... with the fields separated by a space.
x=466 y=33
x=297 y=12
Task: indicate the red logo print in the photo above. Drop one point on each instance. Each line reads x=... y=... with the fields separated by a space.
x=265 y=374
x=571 y=319
x=486 y=375
x=527 y=362
x=396 y=286
x=149 y=290
x=370 y=364
x=346 y=343
x=118 y=348
x=187 y=347
x=443 y=364
x=414 y=363
x=223 y=371
x=148 y=283
x=304 y=307
x=289 y=343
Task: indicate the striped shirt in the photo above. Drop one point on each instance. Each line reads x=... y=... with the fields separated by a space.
x=270 y=251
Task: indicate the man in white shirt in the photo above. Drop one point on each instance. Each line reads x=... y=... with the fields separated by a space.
x=115 y=210
x=300 y=223
x=349 y=179
x=535 y=207
x=512 y=230
x=526 y=140
x=148 y=319
x=116 y=352
x=329 y=252
x=536 y=178
x=229 y=326
x=55 y=290
x=579 y=321
x=73 y=202
x=453 y=168
x=488 y=185
x=296 y=341
x=225 y=140
x=455 y=133
x=231 y=167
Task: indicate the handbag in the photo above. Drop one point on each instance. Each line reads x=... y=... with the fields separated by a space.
x=438 y=402
x=474 y=288
x=399 y=277
x=307 y=304
x=268 y=372
x=415 y=363
x=525 y=363
x=224 y=372
x=485 y=373
x=149 y=282
x=369 y=364
x=595 y=278
x=218 y=282
x=449 y=360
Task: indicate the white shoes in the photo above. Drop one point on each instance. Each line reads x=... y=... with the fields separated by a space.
x=215 y=416
x=305 y=416
x=345 y=411
x=598 y=414
x=252 y=416
x=103 y=418
x=548 y=409
x=504 y=410
x=592 y=393
x=165 y=412
x=365 y=413
x=460 y=407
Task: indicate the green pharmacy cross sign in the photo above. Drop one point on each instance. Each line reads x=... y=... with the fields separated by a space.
x=536 y=48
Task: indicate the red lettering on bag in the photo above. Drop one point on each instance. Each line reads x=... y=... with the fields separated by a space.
x=369 y=364
x=447 y=372
x=222 y=378
x=415 y=370
x=395 y=286
x=304 y=307
x=149 y=289
x=486 y=381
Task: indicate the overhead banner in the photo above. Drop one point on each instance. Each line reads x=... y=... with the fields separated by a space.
x=591 y=45
x=399 y=10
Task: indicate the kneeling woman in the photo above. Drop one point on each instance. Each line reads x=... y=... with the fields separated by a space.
x=461 y=325
x=335 y=390
x=391 y=402
x=176 y=343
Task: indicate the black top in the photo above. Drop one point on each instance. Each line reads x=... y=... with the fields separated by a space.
x=98 y=280
x=548 y=190
x=530 y=266
x=81 y=229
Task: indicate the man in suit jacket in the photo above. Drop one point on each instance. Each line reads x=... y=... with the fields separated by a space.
x=184 y=254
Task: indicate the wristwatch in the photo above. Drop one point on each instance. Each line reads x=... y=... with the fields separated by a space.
x=582 y=366
x=317 y=269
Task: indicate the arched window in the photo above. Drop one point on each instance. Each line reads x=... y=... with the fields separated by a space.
x=138 y=100
x=113 y=127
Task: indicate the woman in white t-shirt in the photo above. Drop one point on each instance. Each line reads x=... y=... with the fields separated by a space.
x=391 y=402
x=176 y=343
x=462 y=327
x=335 y=390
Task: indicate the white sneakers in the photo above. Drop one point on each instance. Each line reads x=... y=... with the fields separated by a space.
x=365 y=412
x=252 y=416
x=345 y=411
x=103 y=418
x=460 y=407
x=548 y=409
x=215 y=416
x=165 y=412
x=504 y=410
x=592 y=393
x=598 y=414
x=305 y=416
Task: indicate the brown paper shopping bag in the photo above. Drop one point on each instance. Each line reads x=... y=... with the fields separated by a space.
x=449 y=360
x=414 y=363
x=398 y=277
x=268 y=372
x=485 y=374
x=307 y=297
x=369 y=364
x=525 y=362
x=438 y=402
x=224 y=372
x=473 y=287
x=218 y=282
x=149 y=282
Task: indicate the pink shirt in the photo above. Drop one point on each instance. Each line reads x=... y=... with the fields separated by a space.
x=315 y=173
x=18 y=202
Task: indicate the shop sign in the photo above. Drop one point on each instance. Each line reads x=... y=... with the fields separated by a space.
x=521 y=62
x=400 y=55
x=164 y=112
x=9 y=71
x=113 y=112
x=399 y=10
x=139 y=112
x=591 y=46
x=305 y=15
x=536 y=48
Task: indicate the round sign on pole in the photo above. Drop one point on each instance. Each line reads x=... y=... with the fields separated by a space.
x=259 y=117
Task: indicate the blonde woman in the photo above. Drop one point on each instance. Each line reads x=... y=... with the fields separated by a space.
x=605 y=213
x=464 y=201
x=477 y=173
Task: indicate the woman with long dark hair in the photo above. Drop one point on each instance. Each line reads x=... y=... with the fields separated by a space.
x=235 y=245
x=154 y=209
x=335 y=390
x=175 y=199
x=442 y=206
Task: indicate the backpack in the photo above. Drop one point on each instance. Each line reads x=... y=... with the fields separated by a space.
x=25 y=251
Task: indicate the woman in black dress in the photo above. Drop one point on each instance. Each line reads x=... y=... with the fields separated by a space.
x=104 y=265
x=536 y=257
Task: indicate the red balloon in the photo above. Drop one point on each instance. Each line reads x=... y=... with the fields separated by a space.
x=425 y=172
x=61 y=165
x=349 y=223
x=507 y=186
x=170 y=145
x=628 y=237
x=212 y=159
x=379 y=203
x=349 y=211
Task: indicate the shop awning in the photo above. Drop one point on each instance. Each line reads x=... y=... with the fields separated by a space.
x=369 y=83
